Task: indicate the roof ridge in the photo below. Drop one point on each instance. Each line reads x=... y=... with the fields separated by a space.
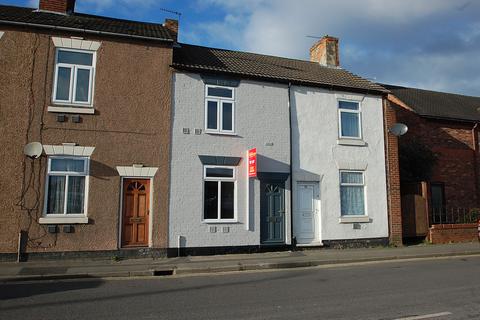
x=428 y=90
x=261 y=54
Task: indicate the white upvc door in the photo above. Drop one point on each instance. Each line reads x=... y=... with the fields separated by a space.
x=306 y=218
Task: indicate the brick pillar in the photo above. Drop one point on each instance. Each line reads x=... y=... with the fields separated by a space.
x=393 y=176
x=172 y=26
x=476 y=162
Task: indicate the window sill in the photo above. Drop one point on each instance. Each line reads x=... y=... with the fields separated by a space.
x=351 y=142
x=220 y=222
x=63 y=220
x=220 y=133
x=73 y=109
x=353 y=219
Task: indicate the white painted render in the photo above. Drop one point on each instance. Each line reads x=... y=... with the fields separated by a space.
x=318 y=155
x=261 y=121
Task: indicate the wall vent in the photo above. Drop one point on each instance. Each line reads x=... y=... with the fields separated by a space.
x=68 y=229
x=76 y=119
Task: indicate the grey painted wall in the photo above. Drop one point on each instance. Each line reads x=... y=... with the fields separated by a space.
x=261 y=121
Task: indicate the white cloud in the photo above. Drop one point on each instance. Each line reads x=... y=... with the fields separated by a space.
x=416 y=42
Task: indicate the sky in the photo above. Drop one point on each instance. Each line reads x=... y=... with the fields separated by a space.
x=429 y=44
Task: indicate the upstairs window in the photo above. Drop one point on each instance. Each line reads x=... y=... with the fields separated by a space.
x=350 y=126
x=219 y=194
x=66 y=185
x=352 y=193
x=73 y=83
x=219 y=109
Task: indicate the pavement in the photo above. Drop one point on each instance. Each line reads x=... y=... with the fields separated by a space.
x=71 y=269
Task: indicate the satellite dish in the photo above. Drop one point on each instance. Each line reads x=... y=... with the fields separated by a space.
x=33 y=150
x=398 y=129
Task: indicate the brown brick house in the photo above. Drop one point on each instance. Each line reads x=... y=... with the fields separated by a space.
x=95 y=92
x=438 y=157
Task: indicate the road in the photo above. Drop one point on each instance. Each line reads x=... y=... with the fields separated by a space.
x=398 y=290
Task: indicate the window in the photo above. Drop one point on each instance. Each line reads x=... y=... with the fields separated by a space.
x=349 y=119
x=219 y=194
x=66 y=186
x=352 y=193
x=73 y=83
x=219 y=109
x=437 y=191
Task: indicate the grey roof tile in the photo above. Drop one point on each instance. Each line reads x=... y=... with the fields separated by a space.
x=154 y=31
x=438 y=104
x=247 y=64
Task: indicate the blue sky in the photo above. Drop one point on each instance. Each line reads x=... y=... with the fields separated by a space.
x=431 y=44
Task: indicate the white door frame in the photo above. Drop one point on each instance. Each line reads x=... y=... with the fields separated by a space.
x=317 y=240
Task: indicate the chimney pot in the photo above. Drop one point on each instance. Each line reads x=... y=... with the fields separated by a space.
x=58 y=6
x=325 y=52
x=172 y=26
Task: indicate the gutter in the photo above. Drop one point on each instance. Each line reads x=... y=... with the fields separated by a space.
x=447 y=118
x=96 y=32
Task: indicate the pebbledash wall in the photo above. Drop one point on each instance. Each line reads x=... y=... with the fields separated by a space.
x=261 y=121
x=131 y=125
x=319 y=155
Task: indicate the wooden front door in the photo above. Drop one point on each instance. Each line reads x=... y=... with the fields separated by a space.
x=136 y=210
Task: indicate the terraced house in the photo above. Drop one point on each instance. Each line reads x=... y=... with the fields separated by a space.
x=95 y=92
x=153 y=147
x=439 y=164
x=319 y=177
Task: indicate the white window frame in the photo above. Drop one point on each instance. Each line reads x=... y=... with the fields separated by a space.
x=219 y=207
x=358 y=112
x=342 y=184
x=219 y=101
x=85 y=173
x=73 y=79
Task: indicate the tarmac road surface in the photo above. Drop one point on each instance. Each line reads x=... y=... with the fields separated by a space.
x=427 y=289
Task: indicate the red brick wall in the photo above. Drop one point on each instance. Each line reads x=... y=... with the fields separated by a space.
x=454 y=145
x=448 y=233
x=393 y=177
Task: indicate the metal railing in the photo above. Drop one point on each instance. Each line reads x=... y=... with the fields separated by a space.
x=454 y=215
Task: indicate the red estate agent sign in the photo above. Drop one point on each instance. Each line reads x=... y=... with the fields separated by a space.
x=252 y=162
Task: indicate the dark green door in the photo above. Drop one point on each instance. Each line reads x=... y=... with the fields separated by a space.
x=272 y=212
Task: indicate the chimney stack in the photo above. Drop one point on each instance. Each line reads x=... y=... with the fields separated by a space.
x=325 y=52
x=57 y=6
x=172 y=27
